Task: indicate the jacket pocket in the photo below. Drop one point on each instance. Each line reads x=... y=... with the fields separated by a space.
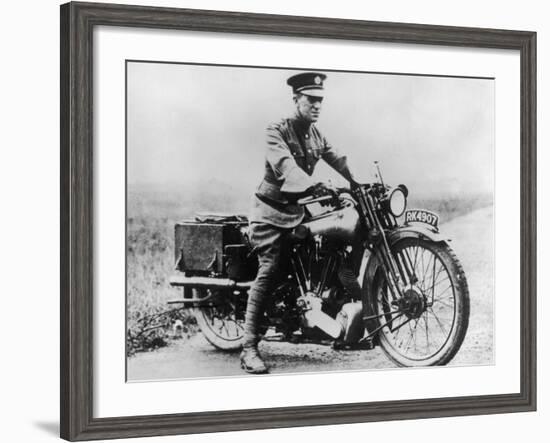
x=297 y=154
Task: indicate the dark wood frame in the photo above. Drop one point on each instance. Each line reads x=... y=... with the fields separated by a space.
x=77 y=23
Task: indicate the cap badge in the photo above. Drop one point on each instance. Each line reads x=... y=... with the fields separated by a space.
x=317 y=80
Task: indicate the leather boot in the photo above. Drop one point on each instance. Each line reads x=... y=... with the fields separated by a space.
x=251 y=361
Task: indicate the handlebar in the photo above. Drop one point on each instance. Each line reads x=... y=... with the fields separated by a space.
x=310 y=199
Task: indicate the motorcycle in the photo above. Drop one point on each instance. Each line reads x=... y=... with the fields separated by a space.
x=414 y=300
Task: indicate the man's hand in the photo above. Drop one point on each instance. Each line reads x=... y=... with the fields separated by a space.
x=323 y=189
x=319 y=190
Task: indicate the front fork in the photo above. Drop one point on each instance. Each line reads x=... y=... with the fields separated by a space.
x=399 y=271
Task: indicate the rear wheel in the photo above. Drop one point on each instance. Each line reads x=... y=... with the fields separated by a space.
x=427 y=325
x=219 y=322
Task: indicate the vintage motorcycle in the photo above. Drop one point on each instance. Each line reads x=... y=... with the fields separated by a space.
x=414 y=303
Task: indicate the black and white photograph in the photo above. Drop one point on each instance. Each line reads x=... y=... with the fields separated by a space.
x=287 y=220
x=231 y=221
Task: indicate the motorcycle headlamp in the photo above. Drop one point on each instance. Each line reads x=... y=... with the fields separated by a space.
x=396 y=200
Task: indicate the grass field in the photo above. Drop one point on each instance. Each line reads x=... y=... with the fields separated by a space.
x=151 y=216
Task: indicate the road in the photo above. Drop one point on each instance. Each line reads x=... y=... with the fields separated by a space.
x=472 y=236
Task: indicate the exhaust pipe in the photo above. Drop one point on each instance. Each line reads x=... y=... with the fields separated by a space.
x=181 y=280
x=195 y=282
x=313 y=316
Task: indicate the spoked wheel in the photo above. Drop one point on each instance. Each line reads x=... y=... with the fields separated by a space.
x=427 y=325
x=219 y=322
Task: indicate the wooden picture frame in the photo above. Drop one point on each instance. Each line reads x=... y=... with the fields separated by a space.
x=77 y=23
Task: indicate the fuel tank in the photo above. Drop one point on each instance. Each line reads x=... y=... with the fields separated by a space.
x=341 y=224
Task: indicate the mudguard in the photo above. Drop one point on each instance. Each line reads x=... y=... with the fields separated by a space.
x=409 y=231
x=393 y=237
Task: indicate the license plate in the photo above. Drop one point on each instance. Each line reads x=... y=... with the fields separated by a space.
x=421 y=216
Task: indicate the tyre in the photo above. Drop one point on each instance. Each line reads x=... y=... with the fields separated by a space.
x=427 y=324
x=219 y=322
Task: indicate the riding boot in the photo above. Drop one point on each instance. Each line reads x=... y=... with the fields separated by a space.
x=251 y=361
x=266 y=240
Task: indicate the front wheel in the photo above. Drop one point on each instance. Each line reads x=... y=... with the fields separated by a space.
x=221 y=323
x=427 y=324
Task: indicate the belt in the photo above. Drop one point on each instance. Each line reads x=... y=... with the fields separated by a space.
x=270 y=202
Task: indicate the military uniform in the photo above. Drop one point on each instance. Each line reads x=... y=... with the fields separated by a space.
x=293 y=149
x=294 y=146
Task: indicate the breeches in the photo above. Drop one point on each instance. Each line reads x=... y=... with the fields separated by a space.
x=268 y=242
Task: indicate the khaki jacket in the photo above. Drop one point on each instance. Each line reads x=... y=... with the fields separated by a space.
x=293 y=150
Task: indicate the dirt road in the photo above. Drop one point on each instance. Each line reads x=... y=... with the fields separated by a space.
x=472 y=241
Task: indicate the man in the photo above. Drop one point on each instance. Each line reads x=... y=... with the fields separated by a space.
x=294 y=146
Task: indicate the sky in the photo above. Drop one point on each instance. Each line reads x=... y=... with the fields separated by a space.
x=190 y=124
